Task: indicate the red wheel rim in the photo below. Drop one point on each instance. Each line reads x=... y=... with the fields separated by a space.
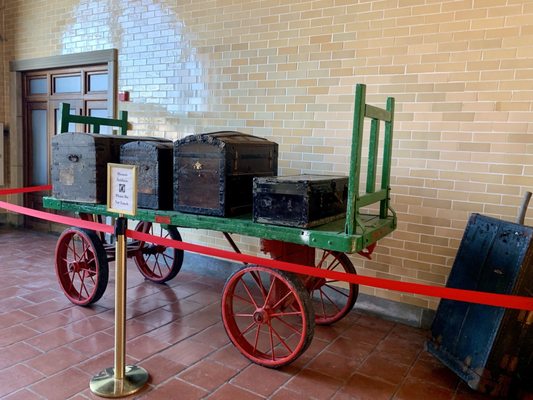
x=267 y=316
x=158 y=263
x=332 y=299
x=79 y=267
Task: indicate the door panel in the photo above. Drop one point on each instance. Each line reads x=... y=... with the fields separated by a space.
x=84 y=88
x=39 y=140
x=36 y=160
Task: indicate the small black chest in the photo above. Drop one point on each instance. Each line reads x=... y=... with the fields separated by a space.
x=79 y=164
x=213 y=172
x=154 y=171
x=301 y=200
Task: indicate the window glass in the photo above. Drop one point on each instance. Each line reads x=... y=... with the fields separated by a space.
x=40 y=148
x=38 y=86
x=71 y=126
x=67 y=84
x=97 y=82
x=101 y=113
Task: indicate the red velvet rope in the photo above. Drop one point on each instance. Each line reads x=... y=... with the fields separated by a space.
x=471 y=296
x=5 y=192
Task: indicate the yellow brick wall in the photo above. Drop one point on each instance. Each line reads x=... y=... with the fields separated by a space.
x=461 y=73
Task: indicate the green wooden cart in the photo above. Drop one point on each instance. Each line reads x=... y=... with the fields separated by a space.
x=268 y=314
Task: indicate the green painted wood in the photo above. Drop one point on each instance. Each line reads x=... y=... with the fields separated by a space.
x=329 y=236
x=354 y=201
x=378 y=113
x=387 y=161
x=355 y=159
x=95 y=122
x=372 y=156
x=371 y=198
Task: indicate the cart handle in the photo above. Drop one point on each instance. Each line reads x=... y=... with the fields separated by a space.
x=355 y=201
x=95 y=122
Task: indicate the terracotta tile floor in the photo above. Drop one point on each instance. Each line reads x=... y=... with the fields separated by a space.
x=50 y=349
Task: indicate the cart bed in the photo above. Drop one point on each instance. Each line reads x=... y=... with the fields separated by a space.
x=330 y=236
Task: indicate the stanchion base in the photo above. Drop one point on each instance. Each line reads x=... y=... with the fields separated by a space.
x=106 y=385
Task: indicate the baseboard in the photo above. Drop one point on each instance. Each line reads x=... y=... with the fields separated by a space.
x=407 y=314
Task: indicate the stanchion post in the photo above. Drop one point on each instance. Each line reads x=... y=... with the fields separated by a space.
x=120 y=297
x=121 y=380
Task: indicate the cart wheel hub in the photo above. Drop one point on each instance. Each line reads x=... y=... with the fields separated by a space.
x=261 y=316
x=77 y=266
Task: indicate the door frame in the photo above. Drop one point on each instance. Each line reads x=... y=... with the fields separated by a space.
x=16 y=110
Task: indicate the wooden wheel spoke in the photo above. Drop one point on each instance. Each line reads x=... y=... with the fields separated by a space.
x=83 y=286
x=256 y=341
x=244 y=332
x=249 y=293
x=324 y=256
x=270 y=290
x=166 y=259
x=285 y=314
x=336 y=289
x=243 y=315
x=272 y=330
x=291 y=327
x=333 y=264
x=71 y=276
x=322 y=305
x=85 y=249
x=157 y=265
x=322 y=295
x=236 y=296
x=275 y=306
x=271 y=337
x=257 y=279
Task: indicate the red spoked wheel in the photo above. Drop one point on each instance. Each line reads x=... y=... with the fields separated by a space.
x=332 y=299
x=158 y=263
x=81 y=266
x=267 y=315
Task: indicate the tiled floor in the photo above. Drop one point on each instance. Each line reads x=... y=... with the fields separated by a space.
x=50 y=349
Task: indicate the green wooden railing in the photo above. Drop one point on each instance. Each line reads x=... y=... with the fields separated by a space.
x=94 y=122
x=355 y=200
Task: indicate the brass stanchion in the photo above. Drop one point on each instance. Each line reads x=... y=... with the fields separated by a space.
x=122 y=380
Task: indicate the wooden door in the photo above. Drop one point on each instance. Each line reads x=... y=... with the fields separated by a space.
x=85 y=89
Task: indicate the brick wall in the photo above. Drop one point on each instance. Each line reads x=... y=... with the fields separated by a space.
x=283 y=69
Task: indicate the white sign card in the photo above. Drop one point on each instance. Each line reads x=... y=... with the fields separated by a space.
x=122 y=188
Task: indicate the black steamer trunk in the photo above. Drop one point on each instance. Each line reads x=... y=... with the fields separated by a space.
x=154 y=172
x=213 y=172
x=302 y=200
x=79 y=164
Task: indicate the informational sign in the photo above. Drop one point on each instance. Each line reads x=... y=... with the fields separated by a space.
x=122 y=188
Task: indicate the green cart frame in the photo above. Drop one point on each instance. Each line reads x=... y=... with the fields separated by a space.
x=268 y=314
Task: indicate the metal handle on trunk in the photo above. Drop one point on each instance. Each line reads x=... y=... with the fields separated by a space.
x=523 y=208
x=74 y=158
